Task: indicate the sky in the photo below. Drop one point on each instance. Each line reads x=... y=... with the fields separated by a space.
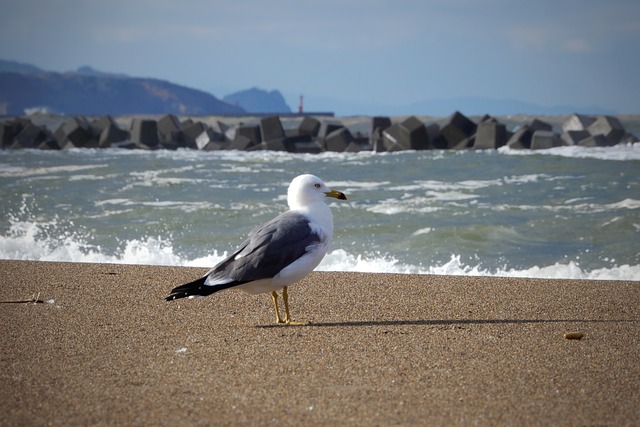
x=356 y=55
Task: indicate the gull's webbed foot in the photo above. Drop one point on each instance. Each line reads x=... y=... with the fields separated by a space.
x=287 y=316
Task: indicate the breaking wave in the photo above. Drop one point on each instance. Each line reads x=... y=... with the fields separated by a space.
x=32 y=241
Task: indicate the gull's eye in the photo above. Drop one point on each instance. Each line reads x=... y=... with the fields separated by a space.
x=317 y=185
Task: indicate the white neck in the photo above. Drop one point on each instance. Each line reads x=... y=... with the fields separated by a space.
x=319 y=213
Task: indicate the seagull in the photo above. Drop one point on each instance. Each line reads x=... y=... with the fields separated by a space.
x=278 y=253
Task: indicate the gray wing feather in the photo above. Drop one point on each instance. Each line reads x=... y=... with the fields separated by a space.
x=268 y=249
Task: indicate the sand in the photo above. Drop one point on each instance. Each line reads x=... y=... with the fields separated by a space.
x=383 y=349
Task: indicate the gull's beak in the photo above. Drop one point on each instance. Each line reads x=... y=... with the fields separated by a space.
x=336 y=195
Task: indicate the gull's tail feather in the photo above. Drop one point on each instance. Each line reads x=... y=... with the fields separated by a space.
x=197 y=288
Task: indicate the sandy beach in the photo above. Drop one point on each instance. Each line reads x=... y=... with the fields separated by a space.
x=104 y=348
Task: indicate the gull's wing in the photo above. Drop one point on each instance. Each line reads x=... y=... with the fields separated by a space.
x=268 y=250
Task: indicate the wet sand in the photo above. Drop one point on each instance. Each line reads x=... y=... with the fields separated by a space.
x=382 y=349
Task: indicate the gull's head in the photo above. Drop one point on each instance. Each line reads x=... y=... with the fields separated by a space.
x=305 y=190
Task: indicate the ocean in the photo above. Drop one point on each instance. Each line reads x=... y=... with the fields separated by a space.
x=568 y=212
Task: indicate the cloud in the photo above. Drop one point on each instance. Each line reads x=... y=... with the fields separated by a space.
x=526 y=38
x=549 y=39
x=575 y=46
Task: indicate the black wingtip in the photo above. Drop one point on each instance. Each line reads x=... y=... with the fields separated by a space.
x=197 y=288
x=194 y=288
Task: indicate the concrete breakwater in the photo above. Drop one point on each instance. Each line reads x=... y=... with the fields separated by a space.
x=311 y=134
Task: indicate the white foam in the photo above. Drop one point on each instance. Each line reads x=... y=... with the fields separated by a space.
x=51 y=170
x=30 y=241
x=340 y=260
x=420 y=231
x=181 y=205
x=620 y=152
x=394 y=206
x=444 y=186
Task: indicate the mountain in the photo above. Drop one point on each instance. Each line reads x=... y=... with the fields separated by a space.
x=256 y=100
x=90 y=92
x=89 y=71
x=17 y=67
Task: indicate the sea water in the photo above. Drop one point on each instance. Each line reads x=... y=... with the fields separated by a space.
x=569 y=212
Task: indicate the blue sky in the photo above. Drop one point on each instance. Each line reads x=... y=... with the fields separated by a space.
x=358 y=53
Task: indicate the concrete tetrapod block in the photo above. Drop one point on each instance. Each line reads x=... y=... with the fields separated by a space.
x=309 y=126
x=338 y=140
x=242 y=143
x=437 y=140
x=76 y=133
x=411 y=134
x=457 y=128
x=521 y=139
x=597 y=140
x=465 y=143
x=49 y=144
x=168 y=125
x=417 y=137
x=112 y=134
x=354 y=147
x=274 y=145
x=294 y=133
x=188 y=134
x=376 y=141
x=206 y=138
x=490 y=134
x=608 y=126
x=542 y=139
x=577 y=122
x=250 y=131
x=224 y=128
x=144 y=132
x=573 y=137
x=391 y=138
x=96 y=126
x=381 y=123
x=215 y=146
x=271 y=128
x=328 y=126
x=33 y=136
x=7 y=134
x=538 y=124
x=11 y=129
x=107 y=131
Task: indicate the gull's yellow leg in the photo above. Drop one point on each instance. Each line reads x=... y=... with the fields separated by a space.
x=274 y=297
x=287 y=316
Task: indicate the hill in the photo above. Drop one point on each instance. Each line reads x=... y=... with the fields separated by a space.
x=18 y=67
x=88 y=92
x=256 y=100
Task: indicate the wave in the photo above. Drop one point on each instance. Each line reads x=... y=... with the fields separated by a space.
x=340 y=260
x=31 y=241
x=620 y=152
